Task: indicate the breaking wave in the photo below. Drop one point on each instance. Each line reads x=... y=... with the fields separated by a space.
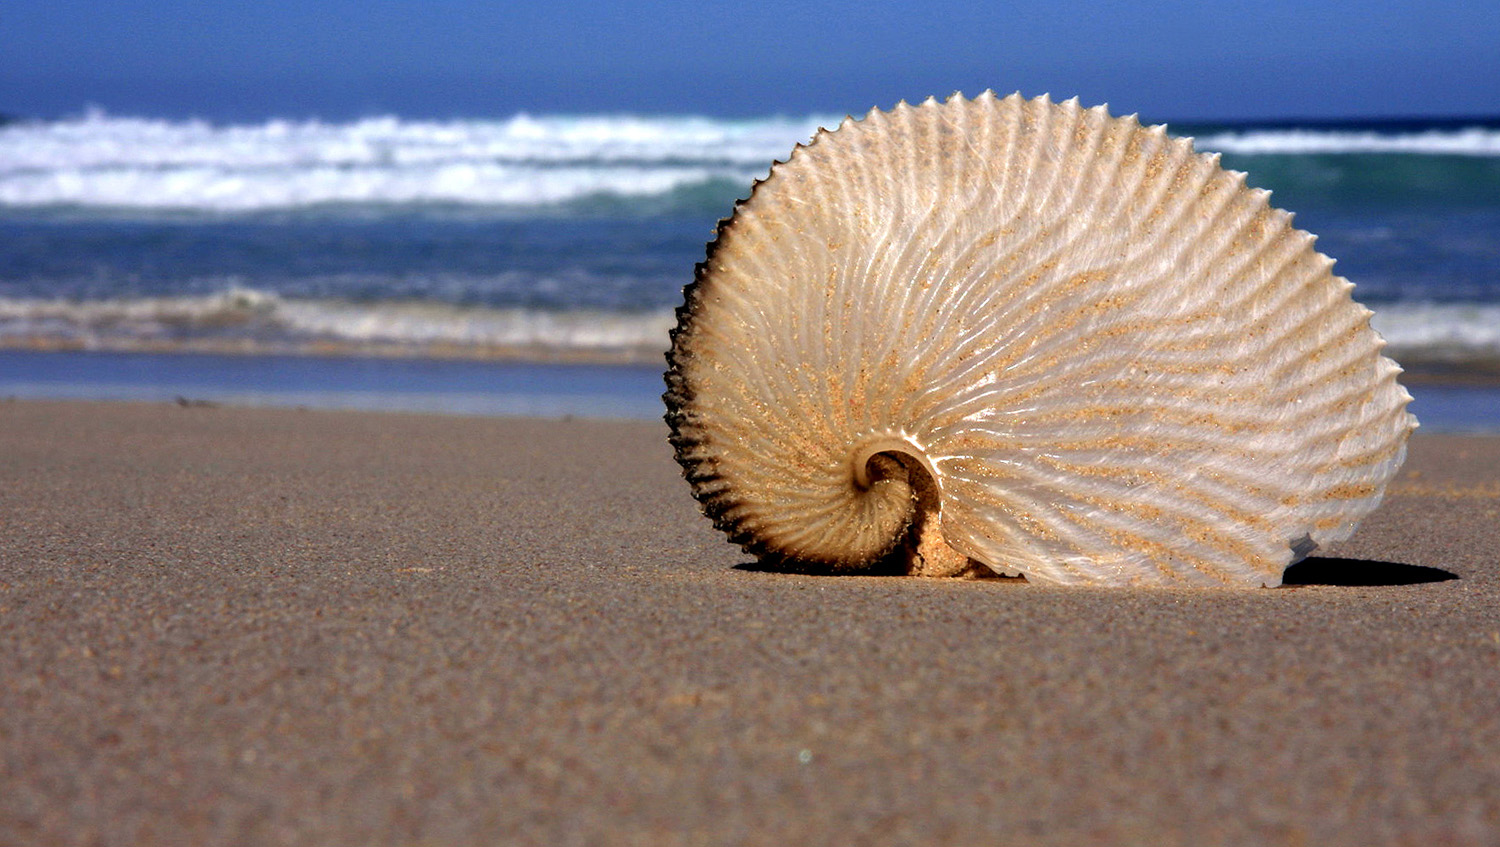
x=256 y=322
x=99 y=162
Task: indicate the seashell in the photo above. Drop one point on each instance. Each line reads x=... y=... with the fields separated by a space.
x=1031 y=336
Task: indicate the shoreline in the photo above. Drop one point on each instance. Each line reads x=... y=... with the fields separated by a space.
x=439 y=386
x=255 y=626
x=1430 y=367
x=1444 y=401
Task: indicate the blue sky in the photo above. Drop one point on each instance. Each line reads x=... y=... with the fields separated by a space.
x=336 y=59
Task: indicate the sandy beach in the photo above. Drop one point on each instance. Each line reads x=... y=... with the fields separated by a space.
x=249 y=626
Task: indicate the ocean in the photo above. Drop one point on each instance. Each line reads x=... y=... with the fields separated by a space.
x=530 y=264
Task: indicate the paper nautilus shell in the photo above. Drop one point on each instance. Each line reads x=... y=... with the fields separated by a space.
x=1033 y=337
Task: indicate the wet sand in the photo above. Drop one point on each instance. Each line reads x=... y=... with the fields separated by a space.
x=239 y=626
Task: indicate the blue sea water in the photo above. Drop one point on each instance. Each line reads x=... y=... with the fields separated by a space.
x=536 y=260
x=444 y=386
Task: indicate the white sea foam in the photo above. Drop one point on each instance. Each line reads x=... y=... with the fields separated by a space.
x=100 y=140
x=1474 y=141
x=231 y=189
x=1455 y=332
x=251 y=321
x=102 y=161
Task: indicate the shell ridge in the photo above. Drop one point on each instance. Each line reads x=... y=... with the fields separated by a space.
x=954 y=184
x=869 y=272
x=745 y=363
x=1215 y=488
x=896 y=290
x=1329 y=386
x=985 y=197
x=1022 y=556
x=1127 y=262
x=1306 y=337
x=1133 y=525
x=784 y=331
x=873 y=347
x=893 y=160
x=983 y=341
x=1136 y=156
x=1273 y=285
x=1171 y=207
x=1023 y=205
x=1061 y=123
x=945 y=249
x=729 y=514
x=929 y=225
x=1251 y=272
x=1030 y=558
x=978 y=396
x=943 y=300
x=1015 y=207
x=1078 y=517
x=1167 y=159
x=806 y=531
x=1206 y=180
x=1008 y=114
x=1219 y=245
x=753 y=381
x=1030 y=303
x=1095 y=124
x=854 y=346
x=912 y=299
x=1160 y=409
x=1018 y=387
x=1006 y=353
x=1355 y=457
x=1062 y=564
x=1036 y=292
x=1348 y=513
x=962 y=298
x=1140 y=249
x=1147 y=484
x=819 y=311
x=1192 y=542
x=1182 y=442
x=856 y=268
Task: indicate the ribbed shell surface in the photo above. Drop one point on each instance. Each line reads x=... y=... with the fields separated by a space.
x=1119 y=363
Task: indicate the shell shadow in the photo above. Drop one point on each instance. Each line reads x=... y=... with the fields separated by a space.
x=1360 y=572
x=1324 y=570
x=886 y=567
x=790 y=566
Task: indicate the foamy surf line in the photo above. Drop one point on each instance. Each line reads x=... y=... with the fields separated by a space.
x=251 y=322
x=125 y=163
x=1473 y=141
x=106 y=163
